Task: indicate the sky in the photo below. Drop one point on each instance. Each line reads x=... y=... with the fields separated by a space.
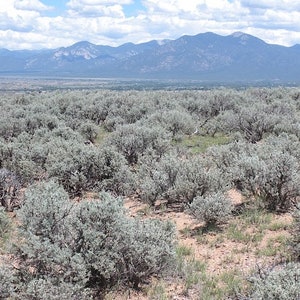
x=39 y=24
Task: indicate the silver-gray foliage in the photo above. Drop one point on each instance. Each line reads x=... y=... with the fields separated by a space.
x=133 y=140
x=83 y=167
x=79 y=250
x=157 y=177
x=280 y=283
x=197 y=178
x=296 y=233
x=9 y=189
x=7 y=280
x=5 y=225
x=268 y=171
x=212 y=209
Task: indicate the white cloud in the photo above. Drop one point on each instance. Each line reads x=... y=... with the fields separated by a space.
x=34 y=5
x=14 y=19
x=286 y=5
x=98 y=2
x=115 y=11
x=96 y=8
x=193 y=7
x=24 y=23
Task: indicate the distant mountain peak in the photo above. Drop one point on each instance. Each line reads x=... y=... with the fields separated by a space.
x=239 y=34
x=83 y=49
x=205 y=56
x=162 y=42
x=245 y=38
x=83 y=44
x=296 y=46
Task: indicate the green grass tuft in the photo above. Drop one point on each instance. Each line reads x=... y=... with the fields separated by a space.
x=102 y=134
x=199 y=143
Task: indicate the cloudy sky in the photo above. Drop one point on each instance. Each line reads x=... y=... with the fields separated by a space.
x=36 y=24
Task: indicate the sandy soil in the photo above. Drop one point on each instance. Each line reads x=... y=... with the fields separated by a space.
x=220 y=254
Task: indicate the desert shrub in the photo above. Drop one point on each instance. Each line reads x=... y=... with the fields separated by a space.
x=26 y=155
x=9 y=189
x=89 y=131
x=118 y=249
x=212 y=209
x=7 y=279
x=79 y=251
x=5 y=225
x=127 y=108
x=224 y=157
x=62 y=132
x=44 y=212
x=278 y=181
x=177 y=179
x=271 y=177
x=157 y=178
x=152 y=187
x=121 y=183
x=175 y=121
x=253 y=122
x=149 y=251
x=280 y=283
x=134 y=140
x=296 y=233
x=197 y=178
x=11 y=124
x=210 y=127
x=113 y=122
x=268 y=172
x=84 y=167
x=284 y=143
x=45 y=258
x=219 y=101
x=45 y=288
x=214 y=104
x=36 y=120
x=98 y=230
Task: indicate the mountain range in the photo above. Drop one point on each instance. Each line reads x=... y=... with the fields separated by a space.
x=206 y=56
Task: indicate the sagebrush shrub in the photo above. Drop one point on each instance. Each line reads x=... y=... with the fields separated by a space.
x=296 y=233
x=5 y=229
x=119 y=249
x=211 y=209
x=80 y=250
x=83 y=167
x=157 y=178
x=282 y=283
x=253 y=122
x=9 y=189
x=197 y=178
x=272 y=177
x=5 y=225
x=7 y=282
x=49 y=289
x=134 y=140
x=268 y=172
x=45 y=211
x=149 y=249
x=89 y=131
x=176 y=121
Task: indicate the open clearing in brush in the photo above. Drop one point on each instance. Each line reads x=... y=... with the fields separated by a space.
x=216 y=264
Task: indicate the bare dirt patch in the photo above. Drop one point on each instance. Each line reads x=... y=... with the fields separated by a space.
x=234 y=247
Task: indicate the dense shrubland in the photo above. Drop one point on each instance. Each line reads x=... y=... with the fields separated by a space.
x=79 y=250
x=133 y=143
